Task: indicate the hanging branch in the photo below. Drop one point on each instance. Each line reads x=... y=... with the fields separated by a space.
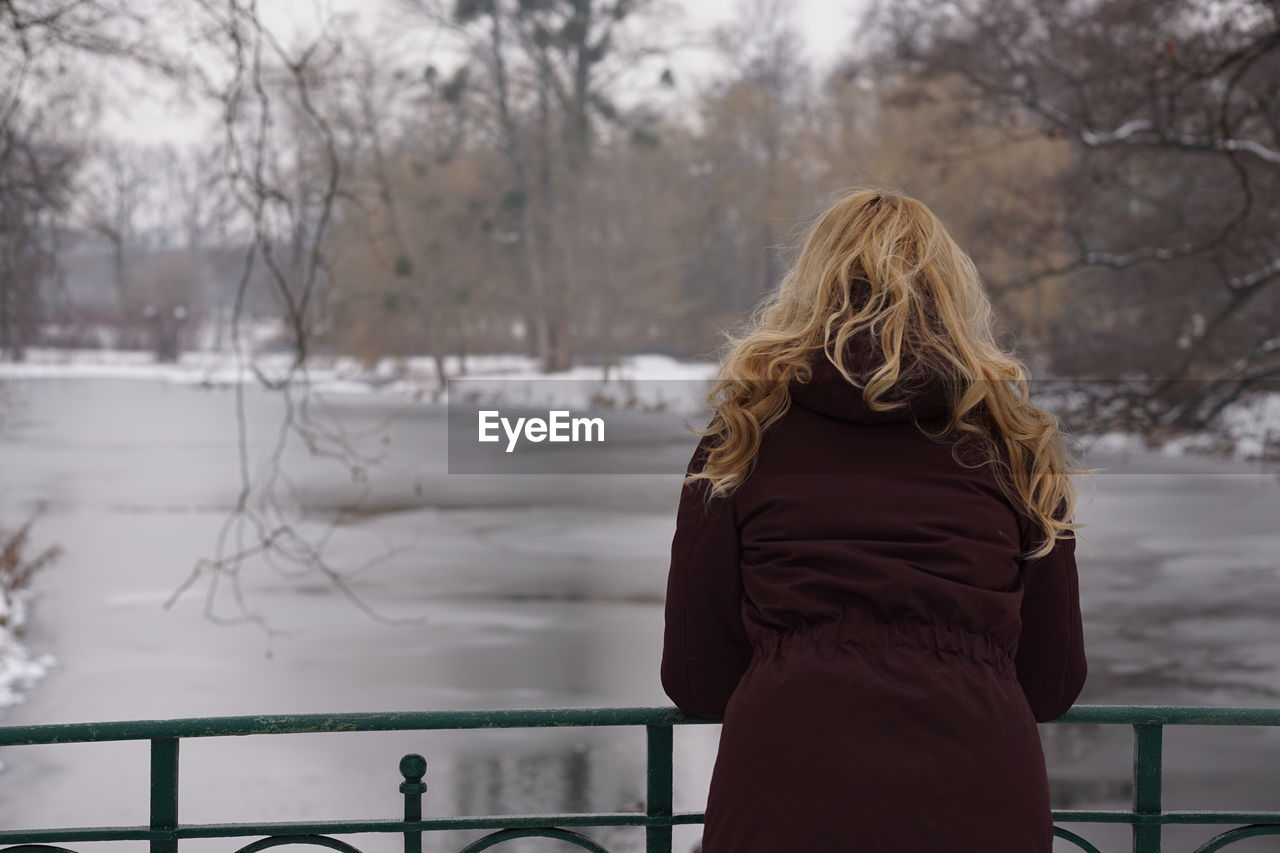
x=266 y=75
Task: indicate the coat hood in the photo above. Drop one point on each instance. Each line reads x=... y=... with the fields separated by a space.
x=828 y=393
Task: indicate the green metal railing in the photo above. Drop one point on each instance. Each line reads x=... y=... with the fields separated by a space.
x=164 y=831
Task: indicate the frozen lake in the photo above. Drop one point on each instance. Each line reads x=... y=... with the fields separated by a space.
x=524 y=591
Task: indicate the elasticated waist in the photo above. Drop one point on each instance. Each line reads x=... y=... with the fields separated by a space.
x=863 y=626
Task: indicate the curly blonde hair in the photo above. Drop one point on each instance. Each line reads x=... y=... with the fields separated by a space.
x=881 y=261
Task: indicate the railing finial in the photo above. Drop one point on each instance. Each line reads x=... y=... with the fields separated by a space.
x=413 y=767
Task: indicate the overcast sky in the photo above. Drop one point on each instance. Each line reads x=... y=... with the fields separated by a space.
x=143 y=113
x=826 y=24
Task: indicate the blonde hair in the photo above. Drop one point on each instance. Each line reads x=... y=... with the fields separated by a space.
x=881 y=261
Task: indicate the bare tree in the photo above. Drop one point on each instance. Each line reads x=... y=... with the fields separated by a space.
x=417 y=232
x=44 y=106
x=540 y=79
x=35 y=177
x=752 y=167
x=1170 y=110
x=112 y=194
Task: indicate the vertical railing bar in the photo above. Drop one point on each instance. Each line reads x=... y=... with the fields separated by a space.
x=164 y=792
x=658 y=799
x=413 y=767
x=1148 y=763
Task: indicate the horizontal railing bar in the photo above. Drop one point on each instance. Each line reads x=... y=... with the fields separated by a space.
x=195 y=727
x=601 y=819
x=1178 y=817
x=1172 y=715
x=509 y=718
x=337 y=827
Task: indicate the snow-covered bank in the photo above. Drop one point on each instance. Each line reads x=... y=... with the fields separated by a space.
x=1246 y=431
x=19 y=668
x=641 y=381
x=1249 y=430
x=413 y=376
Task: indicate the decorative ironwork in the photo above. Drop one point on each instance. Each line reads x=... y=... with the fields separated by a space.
x=164 y=831
x=1231 y=836
x=306 y=840
x=1075 y=839
x=511 y=834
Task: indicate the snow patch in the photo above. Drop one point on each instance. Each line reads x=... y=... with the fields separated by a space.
x=19 y=668
x=646 y=381
x=1248 y=430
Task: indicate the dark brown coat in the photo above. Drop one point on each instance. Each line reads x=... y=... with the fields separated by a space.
x=857 y=615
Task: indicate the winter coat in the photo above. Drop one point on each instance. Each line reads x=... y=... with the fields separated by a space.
x=857 y=615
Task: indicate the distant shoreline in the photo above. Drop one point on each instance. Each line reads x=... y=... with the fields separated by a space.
x=1248 y=431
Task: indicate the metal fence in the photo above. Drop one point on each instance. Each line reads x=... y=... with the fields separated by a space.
x=165 y=831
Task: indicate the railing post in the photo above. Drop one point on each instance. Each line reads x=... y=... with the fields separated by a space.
x=1147 y=775
x=164 y=792
x=658 y=801
x=413 y=767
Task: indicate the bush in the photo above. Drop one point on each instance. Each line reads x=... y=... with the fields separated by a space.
x=17 y=569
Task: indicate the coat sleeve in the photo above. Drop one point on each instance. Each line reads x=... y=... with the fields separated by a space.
x=1051 y=663
x=705 y=645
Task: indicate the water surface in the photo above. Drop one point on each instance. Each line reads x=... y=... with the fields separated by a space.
x=522 y=591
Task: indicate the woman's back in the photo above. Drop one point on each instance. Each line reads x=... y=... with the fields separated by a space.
x=860 y=606
x=850 y=509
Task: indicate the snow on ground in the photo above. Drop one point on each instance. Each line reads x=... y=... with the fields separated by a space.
x=1252 y=424
x=1247 y=431
x=414 y=375
x=19 y=670
x=646 y=381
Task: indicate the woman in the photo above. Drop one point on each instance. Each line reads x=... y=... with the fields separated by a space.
x=872 y=579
